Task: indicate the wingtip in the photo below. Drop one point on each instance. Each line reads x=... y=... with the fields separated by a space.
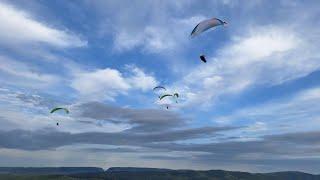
x=225 y=24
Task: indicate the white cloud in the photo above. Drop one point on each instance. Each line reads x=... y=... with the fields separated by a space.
x=108 y=83
x=18 y=27
x=257 y=126
x=148 y=26
x=141 y=80
x=15 y=72
x=284 y=115
x=192 y=21
x=151 y=39
x=100 y=83
x=155 y=38
x=260 y=43
x=124 y=41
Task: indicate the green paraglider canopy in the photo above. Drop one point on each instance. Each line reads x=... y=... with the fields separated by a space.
x=175 y=95
x=59 y=108
x=165 y=95
x=159 y=87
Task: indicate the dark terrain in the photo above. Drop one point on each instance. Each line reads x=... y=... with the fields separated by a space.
x=123 y=173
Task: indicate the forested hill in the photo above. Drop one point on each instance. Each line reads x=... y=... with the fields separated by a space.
x=132 y=173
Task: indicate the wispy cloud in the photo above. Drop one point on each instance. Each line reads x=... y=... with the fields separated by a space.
x=25 y=74
x=19 y=27
x=281 y=115
x=160 y=31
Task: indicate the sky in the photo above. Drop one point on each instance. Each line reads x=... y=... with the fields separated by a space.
x=254 y=106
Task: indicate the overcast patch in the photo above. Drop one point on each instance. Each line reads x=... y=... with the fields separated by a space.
x=49 y=139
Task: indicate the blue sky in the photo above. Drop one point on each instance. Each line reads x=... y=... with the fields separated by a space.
x=252 y=107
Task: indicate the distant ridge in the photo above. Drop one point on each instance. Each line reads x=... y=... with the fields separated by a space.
x=137 y=173
x=136 y=169
x=49 y=170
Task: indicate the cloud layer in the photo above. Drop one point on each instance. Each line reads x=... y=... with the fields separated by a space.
x=252 y=107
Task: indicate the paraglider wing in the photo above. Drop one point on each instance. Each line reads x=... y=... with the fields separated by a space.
x=205 y=25
x=159 y=87
x=59 y=108
x=177 y=96
x=203 y=58
x=163 y=96
x=194 y=29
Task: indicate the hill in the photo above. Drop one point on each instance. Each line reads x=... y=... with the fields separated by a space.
x=132 y=173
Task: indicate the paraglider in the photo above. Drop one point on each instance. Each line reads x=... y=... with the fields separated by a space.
x=58 y=109
x=203 y=58
x=203 y=26
x=207 y=24
x=159 y=87
x=175 y=96
x=159 y=90
x=163 y=96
